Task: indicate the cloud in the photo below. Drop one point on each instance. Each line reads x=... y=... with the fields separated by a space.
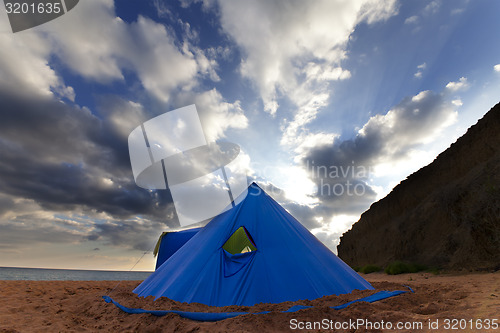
x=415 y=120
x=24 y=66
x=412 y=19
x=28 y=224
x=162 y=9
x=65 y=178
x=342 y=170
x=420 y=69
x=166 y=67
x=25 y=223
x=432 y=7
x=461 y=84
x=65 y=158
x=121 y=114
x=373 y=11
x=207 y=66
x=6 y=202
x=332 y=228
x=32 y=231
x=137 y=233
x=77 y=41
x=296 y=48
x=216 y=114
x=457 y=11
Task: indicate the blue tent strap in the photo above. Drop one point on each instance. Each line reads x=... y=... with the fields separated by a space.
x=216 y=316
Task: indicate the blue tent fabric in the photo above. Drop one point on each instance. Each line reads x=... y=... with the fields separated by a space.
x=170 y=242
x=199 y=316
x=233 y=263
x=289 y=264
x=216 y=316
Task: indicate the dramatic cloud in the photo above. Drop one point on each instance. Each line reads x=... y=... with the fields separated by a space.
x=24 y=66
x=122 y=115
x=61 y=160
x=29 y=228
x=136 y=233
x=65 y=172
x=65 y=158
x=342 y=170
x=296 y=50
x=83 y=47
x=78 y=41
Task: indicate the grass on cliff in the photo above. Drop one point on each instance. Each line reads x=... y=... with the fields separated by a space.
x=399 y=267
x=367 y=269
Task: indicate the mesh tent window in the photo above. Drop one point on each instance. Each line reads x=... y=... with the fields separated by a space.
x=240 y=242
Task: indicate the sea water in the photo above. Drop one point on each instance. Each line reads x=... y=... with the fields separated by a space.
x=40 y=274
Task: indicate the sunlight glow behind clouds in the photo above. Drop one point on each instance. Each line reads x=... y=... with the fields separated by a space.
x=297 y=186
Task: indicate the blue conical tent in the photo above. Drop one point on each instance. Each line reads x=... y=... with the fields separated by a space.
x=280 y=261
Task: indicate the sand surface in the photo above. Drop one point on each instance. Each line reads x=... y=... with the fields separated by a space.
x=74 y=306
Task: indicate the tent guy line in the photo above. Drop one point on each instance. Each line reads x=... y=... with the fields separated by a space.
x=216 y=316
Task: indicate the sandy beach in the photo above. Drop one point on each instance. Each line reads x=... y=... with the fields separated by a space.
x=454 y=300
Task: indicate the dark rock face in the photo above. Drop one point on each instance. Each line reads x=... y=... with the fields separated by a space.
x=445 y=215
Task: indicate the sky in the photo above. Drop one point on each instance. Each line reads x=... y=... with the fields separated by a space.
x=332 y=103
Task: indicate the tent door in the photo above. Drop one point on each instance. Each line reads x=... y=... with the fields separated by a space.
x=240 y=242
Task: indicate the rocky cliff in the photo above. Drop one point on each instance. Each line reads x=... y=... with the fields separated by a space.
x=445 y=215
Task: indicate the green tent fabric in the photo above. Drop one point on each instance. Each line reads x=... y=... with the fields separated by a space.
x=239 y=242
